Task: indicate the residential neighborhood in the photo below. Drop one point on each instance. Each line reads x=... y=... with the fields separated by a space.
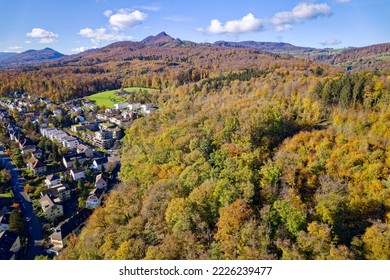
x=68 y=157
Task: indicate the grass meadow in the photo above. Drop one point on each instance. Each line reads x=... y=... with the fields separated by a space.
x=109 y=98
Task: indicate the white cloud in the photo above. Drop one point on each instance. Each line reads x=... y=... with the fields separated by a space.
x=283 y=27
x=149 y=8
x=43 y=36
x=331 y=42
x=79 y=49
x=107 y=13
x=28 y=42
x=343 y=1
x=126 y=18
x=117 y=21
x=15 y=48
x=102 y=34
x=300 y=13
x=245 y=25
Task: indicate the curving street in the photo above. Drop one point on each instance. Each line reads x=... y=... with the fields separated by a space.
x=34 y=227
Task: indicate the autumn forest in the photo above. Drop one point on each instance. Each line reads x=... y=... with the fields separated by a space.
x=251 y=155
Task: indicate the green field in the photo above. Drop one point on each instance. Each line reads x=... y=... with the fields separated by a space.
x=108 y=98
x=7 y=195
x=384 y=57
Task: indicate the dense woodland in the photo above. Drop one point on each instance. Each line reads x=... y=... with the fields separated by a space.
x=127 y=64
x=162 y=64
x=250 y=155
x=281 y=162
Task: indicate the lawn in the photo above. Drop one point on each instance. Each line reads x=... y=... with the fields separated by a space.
x=7 y=195
x=108 y=98
x=384 y=57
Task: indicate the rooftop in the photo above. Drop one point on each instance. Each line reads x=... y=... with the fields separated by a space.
x=53 y=192
x=100 y=161
x=77 y=170
x=46 y=201
x=101 y=177
x=35 y=162
x=4 y=219
x=52 y=177
x=71 y=224
x=97 y=192
x=71 y=157
x=7 y=239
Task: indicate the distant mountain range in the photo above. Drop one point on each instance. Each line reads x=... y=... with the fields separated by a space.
x=163 y=39
x=370 y=56
x=6 y=55
x=28 y=57
x=160 y=39
x=272 y=47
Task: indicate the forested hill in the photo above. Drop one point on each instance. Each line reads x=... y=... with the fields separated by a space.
x=28 y=57
x=375 y=55
x=283 y=160
x=369 y=57
x=125 y=64
x=6 y=55
x=161 y=61
x=251 y=155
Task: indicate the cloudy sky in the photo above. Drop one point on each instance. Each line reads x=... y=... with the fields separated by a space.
x=74 y=26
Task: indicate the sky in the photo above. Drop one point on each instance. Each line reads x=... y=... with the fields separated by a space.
x=74 y=26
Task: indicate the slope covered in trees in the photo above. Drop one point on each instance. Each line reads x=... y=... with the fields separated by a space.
x=365 y=55
x=127 y=64
x=161 y=61
x=29 y=57
x=286 y=160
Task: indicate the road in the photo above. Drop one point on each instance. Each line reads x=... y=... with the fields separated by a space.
x=34 y=227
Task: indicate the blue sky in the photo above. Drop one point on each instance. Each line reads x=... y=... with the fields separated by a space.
x=74 y=26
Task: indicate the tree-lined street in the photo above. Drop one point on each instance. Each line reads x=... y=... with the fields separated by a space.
x=34 y=227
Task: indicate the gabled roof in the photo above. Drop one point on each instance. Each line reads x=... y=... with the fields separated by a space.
x=100 y=178
x=77 y=170
x=114 y=159
x=71 y=157
x=97 y=192
x=52 y=177
x=7 y=239
x=37 y=151
x=4 y=219
x=71 y=224
x=100 y=161
x=20 y=136
x=29 y=147
x=83 y=147
x=53 y=192
x=69 y=138
x=35 y=162
x=46 y=201
x=6 y=209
